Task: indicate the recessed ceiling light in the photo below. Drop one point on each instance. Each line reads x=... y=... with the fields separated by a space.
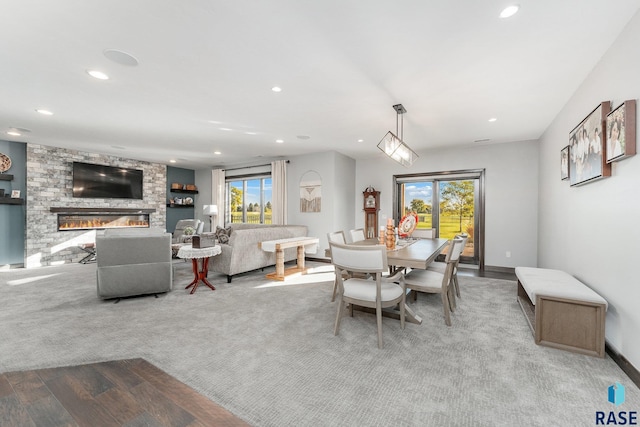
x=13 y=133
x=45 y=112
x=482 y=140
x=217 y=153
x=172 y=161
x=279 y=141
x=225 y=129
x=98 y=74
x=492 y=119
x=276 y=89
x=250 y=133
x=303 y=137
x=120 y=57
x=361 y=140
x=509 y=11
x=215 y=122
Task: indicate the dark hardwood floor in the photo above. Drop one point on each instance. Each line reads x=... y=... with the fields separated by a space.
x=119 y=393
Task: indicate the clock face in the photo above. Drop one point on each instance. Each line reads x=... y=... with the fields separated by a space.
x=370 y=202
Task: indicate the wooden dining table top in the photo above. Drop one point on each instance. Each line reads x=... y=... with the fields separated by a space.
x=415 y=254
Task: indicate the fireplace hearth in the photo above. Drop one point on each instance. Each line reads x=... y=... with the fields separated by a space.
x=72 y=219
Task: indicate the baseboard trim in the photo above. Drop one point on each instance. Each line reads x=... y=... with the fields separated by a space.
x=496 y=269
x=632 y=372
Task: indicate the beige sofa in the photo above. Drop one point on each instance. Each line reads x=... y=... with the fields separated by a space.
x=242 y=253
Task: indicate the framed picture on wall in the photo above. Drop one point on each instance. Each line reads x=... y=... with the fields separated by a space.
x=587 y=162
x=564 y=163
x=621 y=132
x=15 y=194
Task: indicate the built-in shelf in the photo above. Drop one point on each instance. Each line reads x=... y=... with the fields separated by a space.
x=6 y=177
x=175 y=190
x=169 y=205
x=11 y=201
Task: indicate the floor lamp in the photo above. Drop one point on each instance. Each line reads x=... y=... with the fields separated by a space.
x=211 y=211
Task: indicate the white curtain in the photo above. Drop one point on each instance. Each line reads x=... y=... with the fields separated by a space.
x=217 y=196
x=279 y=188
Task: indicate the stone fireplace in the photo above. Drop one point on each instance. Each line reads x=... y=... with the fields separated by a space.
x=49 y=184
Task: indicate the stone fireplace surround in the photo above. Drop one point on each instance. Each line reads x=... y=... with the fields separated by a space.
x=49 y=185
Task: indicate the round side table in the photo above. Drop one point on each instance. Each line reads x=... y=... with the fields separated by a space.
x=194 y=254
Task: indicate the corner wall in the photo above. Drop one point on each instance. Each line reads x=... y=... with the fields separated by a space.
x=49 y=184
x=591 y=231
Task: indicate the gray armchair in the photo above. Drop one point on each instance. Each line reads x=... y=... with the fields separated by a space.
x=133 y=262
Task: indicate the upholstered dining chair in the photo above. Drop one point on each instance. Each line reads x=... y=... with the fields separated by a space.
x=424 y=233
x=357 y=234
x=336 y=237
x=376 y=291
x=435 y=282
x=441 y=266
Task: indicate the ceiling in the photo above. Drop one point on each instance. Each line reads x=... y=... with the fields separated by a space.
x=206 y=70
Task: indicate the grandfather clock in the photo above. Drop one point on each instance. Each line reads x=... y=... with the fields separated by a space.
x=371 y=208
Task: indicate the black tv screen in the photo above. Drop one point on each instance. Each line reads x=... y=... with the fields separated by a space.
x=106 y=182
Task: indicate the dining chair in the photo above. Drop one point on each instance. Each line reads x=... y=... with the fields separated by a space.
x=440 y=266
x=435 y=282
x=336 y=237
x=375 y=291
x=424 y=233
x=357 y=234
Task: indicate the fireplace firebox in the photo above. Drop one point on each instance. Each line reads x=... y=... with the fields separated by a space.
x=95 y=221
x=70 y=219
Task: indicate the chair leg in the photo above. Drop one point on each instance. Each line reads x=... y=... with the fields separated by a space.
x=335 y=290
x=445 y=306
x=455 y=282
x=379 y=320
x=338 y=315
x=452 y=297
x=403 y=303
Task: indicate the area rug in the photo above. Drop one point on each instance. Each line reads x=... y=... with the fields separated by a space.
x=266 y=351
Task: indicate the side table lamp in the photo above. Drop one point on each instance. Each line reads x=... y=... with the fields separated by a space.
x=211 y=211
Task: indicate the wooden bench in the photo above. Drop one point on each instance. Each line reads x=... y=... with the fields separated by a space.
x=562 y=311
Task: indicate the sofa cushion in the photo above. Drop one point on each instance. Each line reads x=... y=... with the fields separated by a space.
x=223 y=234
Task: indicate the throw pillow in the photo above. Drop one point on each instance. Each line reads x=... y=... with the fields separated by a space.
x=223 y=234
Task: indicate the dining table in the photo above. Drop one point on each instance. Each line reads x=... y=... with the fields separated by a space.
x=412 y=253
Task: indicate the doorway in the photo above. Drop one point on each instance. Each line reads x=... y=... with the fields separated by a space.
x=449 y=202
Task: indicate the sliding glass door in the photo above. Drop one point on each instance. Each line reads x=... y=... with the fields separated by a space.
x=449 y=202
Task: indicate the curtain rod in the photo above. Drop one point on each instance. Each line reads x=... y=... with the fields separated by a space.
x=249 y=167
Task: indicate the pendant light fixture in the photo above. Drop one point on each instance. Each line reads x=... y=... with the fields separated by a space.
x=392 y=144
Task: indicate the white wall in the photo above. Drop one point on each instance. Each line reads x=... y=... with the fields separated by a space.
x=591 y=231
x=338 y=176
x=511 y=189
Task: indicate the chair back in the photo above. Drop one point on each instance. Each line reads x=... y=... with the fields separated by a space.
x=336 y=237
x=455 y=249
x=464 y=237
x=359 y=259
x=357 y=234
x=424 y=233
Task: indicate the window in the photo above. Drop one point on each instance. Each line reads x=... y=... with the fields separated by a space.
x=451 y=203
x=248 y=200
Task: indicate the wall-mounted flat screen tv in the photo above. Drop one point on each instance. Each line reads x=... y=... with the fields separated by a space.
x=106 y=182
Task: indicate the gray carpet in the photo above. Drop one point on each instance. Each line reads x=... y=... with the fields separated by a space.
x=266 y=351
